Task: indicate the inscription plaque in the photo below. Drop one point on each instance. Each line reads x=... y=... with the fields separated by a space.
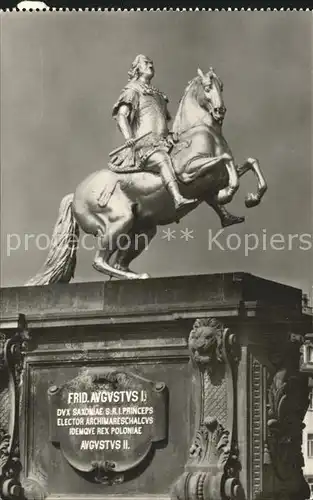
x=105 y=421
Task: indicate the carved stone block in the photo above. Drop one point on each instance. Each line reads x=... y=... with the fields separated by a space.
x=212 y=470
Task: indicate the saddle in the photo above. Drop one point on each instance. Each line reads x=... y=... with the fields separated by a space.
x=131 y=160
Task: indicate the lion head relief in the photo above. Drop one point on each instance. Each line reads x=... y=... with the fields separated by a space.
x=206 y=342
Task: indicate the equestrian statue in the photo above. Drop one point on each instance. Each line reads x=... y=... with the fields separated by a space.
x=156 y=178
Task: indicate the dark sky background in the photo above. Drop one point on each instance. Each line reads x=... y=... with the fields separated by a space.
x=62 y=72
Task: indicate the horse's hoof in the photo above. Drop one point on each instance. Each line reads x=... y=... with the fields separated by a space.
x=97 y=267
x=144 y=276
x=223 y=200
x=131 y=275
x=225 y=196
x=252 y=200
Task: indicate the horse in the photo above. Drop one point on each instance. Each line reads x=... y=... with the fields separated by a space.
x=118 y=207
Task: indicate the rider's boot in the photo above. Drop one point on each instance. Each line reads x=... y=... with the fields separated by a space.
x=167 y=173
x=179 y=200
x=226 y=218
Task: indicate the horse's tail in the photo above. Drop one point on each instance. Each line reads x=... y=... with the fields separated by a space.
x=60 y=264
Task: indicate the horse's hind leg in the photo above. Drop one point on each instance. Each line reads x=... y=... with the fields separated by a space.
x=134 y=244
x=111 y=233
x=114 y=221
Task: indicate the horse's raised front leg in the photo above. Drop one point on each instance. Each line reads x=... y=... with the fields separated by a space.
x=226 y=195
x=199 y=165
x=253 y=199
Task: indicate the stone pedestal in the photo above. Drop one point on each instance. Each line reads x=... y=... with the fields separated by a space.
x=213 y=359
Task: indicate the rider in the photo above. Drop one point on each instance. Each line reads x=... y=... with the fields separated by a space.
x=141 y=110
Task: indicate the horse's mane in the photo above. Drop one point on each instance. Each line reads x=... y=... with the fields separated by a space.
x=193 y=91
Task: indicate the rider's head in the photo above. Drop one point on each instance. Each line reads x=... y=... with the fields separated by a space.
x=141 y=66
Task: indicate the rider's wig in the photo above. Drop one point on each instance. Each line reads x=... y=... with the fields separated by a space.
x=133 y=73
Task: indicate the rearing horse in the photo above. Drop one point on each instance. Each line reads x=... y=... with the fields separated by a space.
x=119 y=207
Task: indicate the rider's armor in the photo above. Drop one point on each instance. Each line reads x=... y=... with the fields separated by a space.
x=148 y=113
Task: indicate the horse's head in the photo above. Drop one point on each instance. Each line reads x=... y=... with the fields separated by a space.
x=202 y=102
x=212 y=98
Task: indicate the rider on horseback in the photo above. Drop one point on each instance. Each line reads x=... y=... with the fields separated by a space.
x=112 y=205
x=142 y=116
x=141 y=110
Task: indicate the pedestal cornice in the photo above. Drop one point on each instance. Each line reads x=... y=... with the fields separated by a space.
x=156 y=299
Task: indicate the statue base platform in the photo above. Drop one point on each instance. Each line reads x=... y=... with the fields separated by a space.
x=183 y=388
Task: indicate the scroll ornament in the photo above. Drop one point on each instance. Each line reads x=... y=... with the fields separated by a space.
x=12 y=352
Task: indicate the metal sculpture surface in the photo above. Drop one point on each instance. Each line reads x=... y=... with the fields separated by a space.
x=156 y=178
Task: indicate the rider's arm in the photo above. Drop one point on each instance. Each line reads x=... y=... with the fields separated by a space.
x=122 y=119
x=124 y=111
